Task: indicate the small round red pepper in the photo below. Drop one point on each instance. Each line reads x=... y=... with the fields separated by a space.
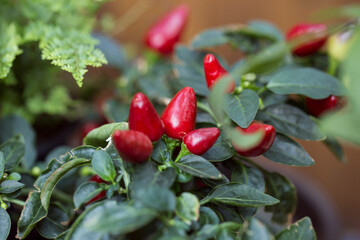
x=144 y=118
x=214 y=71
x=133 y=146
x=263 y=145
x=311 y=47
x=317 y=107
x=179 y=117
x=201 y=140
x=165 y=33
x=102 y=194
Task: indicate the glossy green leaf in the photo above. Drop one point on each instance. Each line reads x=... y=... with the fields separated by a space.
x=31 y=214
x=14 y=176
x=98 y=136
x=255 y=230
x=208 y=216
x=281 y=188
x=286 y=151
x=120 y=219
x=221 y=150
x=239 y=195
x=2 y=164
x=334 y=146
x=158 y=198
x=13 y=151
x=55 y=177
x=54 y=223
x=103 y=165
x=248 y=175
x=306 y=81
x=10 y=186
x=267 y=28
x=187 y=207
x=242 y=109
x=160 y=152
x=209 y=38
x=199 y=167
x=300 y=230
x=292 y=121
x=13 y=125
x=5 y=224
x=85 y=192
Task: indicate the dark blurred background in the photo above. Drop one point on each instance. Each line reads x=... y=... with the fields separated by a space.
x=331 y=186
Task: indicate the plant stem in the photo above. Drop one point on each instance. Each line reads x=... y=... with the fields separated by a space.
x=15 y=201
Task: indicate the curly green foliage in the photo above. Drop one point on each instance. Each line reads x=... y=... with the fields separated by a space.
x=62 y=29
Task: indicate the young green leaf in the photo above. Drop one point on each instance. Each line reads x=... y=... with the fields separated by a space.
x=13 y=151
x=286 y=151
x=306 y=81
x=198 y=166
x=242 y=109
x=5 y=224
x=103 y=165
x=10 y=186
x=98 y=136
x=187 y=207
x=300 y=230
x=239 y=195
x=85 y=192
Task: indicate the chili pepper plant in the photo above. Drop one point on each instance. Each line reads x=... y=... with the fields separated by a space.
x=176 y=160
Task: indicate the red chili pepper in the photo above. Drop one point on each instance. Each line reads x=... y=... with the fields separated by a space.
x=179 y=117
x=165 y=33
x=133 y=146
x=263 y=145
x=201 y=140
x=317 y=107
x=88 y=127
x=214 y=71
x=102 y=194
x=311 y=47
x=144 y=118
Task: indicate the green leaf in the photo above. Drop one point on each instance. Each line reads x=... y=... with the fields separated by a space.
x=120 y=219
x=116 y=111
x=103 y=165
x=12 y=125
x=54 y=223
x=13 y=151
x=221 y=150
x=209 y=38
x=2 y=164
x=208 y=216
x=334 y=146
x=10 y=186
x=306 y=81
x=286 y=151
x=98 y=136
x=248 y=175
x=5 y=224
x=292 y=121
x=300 y=230
x=55 y=177
x=242 y=109
x=239 y=195
x=256 y=230
x=9 y=41
x=32 y=213
x=85 y=192
x=199 y=167
x=267 y=28
x=157 y=198
x=281 y=188
x=187 y=207
x=159 y=151
x=57 y=153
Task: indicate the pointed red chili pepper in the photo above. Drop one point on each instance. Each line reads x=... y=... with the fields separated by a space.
x=201 y=140
x=263 y=145
x=179 y=117
x=133 y=146
x=311 y=47
x=102 y=194
x=214 y=71
x=165 y=33
x=317 y=107
x=144 y=118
